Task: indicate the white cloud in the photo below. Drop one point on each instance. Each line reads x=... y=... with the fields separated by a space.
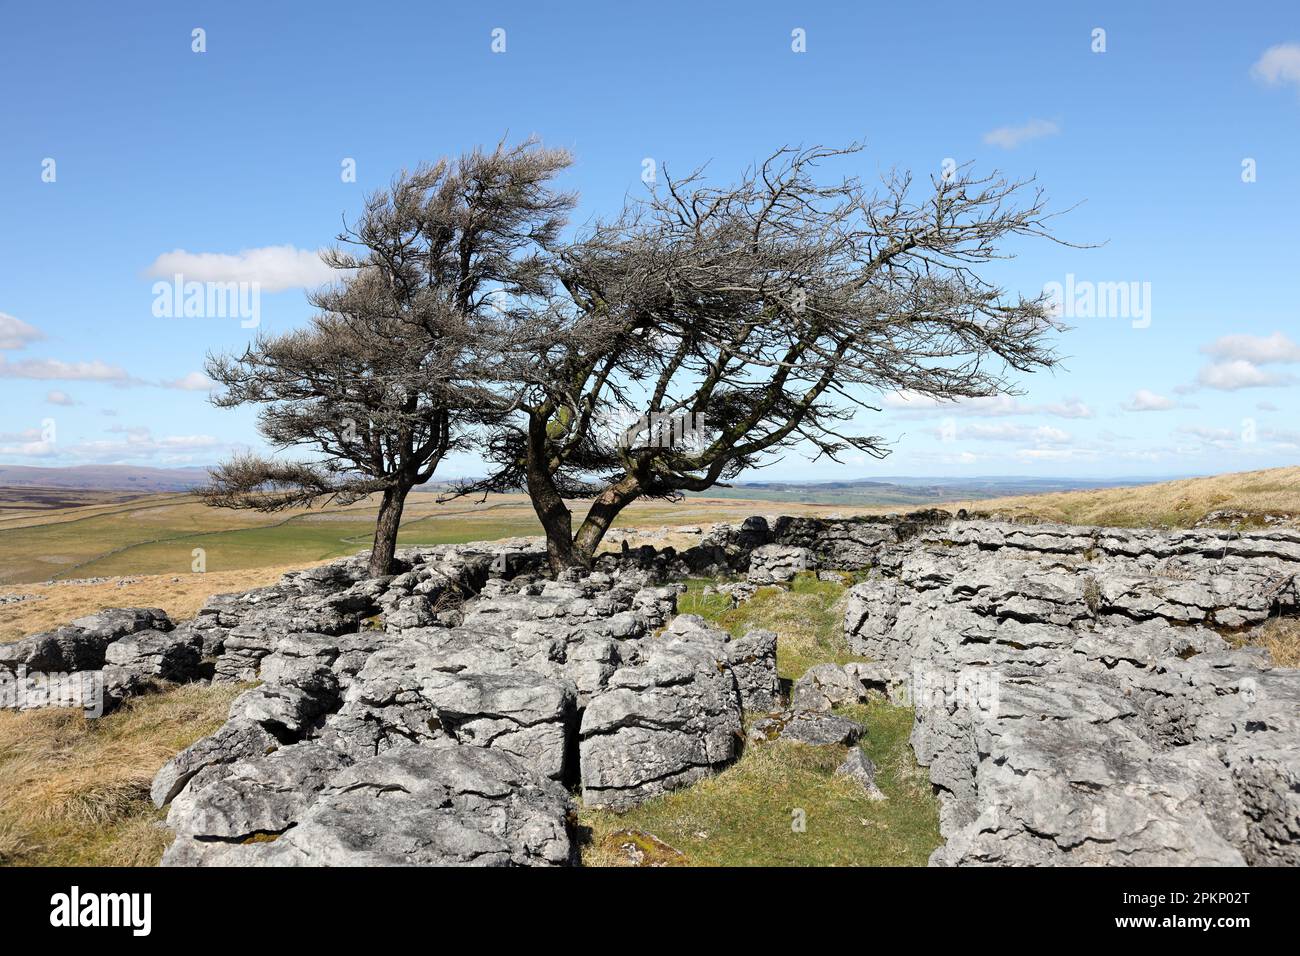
x=93 y=371
x=194 y=382
x=1254 y=348
x=139 y=443
x=1056 y=454
x=1238 y=373
x=1009 y=137
x=131 y=443
x=188 y=441
x=915 y=405
x=274 y=268
x=35 y=449
x=1278 y=65
x=15 y=333
x=1042 y=434
x=1222 y=439
x=1068 y=408
x=1144 y=400
x=134 y=432
x=55 y=397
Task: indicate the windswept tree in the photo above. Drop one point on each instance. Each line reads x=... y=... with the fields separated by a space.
x=372 y=395
x=708 y=328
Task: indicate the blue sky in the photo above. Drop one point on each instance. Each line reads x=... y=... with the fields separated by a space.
x=227 y=164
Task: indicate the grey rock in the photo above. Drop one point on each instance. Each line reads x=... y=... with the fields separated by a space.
x=431 y=805
x=235 y=740
x=807 y=727
x=660 y=725
x=753 y=662
x=256 y=797
x=82 y=644
x=858 y=766
x=825 y=686
x=297 y=694
x=1073 y=702
x=167 y=655
x=777 y=563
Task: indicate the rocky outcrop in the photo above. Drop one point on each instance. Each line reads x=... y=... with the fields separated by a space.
x=777 y=563
x=82 y=666
x=665 y=722
x=1076 y=700
x=570 y=683
x=81 y=645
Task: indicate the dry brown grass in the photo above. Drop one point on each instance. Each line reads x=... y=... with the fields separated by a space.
x=75 y=791
x=1280 y=636
x=1171 y=504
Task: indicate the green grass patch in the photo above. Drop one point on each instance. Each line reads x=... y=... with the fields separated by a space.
x=808 y=619
x=748 y=815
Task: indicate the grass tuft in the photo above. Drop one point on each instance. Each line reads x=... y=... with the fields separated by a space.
x=807 y=618
x=1280 y=636
x=76 y=790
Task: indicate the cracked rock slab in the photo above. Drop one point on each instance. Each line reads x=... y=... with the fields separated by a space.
x=429 y=805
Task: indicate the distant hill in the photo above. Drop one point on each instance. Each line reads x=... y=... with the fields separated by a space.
x=906 y=491
x=144 y=481
x=1242 y=499
x=858 y=491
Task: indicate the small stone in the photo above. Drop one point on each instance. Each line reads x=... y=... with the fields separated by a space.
x=859 y=766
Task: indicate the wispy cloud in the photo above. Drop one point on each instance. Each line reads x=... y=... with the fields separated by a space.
x=129 y=443
x=15 y=333
x=1009 y=137
x=56 y=397
x=1145 y=400
x=274 y=268
x=1279 y=65
x=1003 y=431
x=46 y=369
x=1260 y=349
x=914 y=405
x=194 y=382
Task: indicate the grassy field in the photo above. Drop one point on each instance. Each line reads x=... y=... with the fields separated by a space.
x=157 y=534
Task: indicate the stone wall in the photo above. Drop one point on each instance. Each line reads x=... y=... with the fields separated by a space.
x=1077 y=696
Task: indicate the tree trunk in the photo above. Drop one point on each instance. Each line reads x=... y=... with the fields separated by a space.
x=550 y=507
x=604 y=509
x=390 y=518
